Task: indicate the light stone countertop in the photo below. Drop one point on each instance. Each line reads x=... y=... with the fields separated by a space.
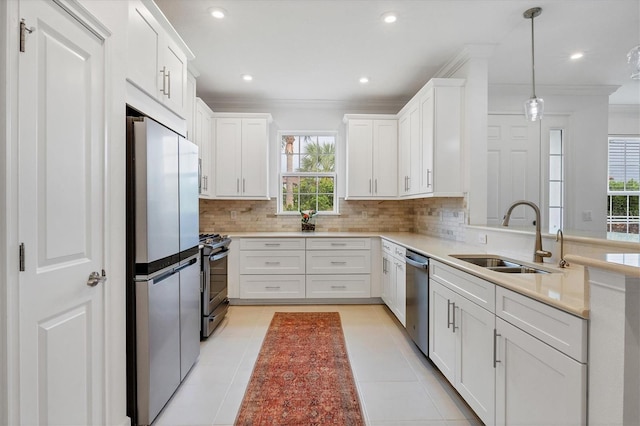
x=623 y=263
x=565 y=289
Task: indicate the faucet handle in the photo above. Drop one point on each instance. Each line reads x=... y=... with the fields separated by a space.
x=543 y=253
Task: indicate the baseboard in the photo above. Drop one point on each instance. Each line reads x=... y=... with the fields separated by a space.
x=345 y=301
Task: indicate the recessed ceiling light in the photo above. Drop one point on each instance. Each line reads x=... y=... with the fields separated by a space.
x=217 y=12
x=389 y=17
x=577 y=55
x=247 y=77
x=364 y=80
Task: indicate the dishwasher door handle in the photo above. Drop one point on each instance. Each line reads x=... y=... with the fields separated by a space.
x=420 y=265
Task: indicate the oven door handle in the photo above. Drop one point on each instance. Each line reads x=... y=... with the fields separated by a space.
x=218 y=256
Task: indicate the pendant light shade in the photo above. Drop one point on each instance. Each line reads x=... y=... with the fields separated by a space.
x=534 y=106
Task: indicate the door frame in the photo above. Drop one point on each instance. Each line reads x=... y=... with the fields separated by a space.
x=114 y=214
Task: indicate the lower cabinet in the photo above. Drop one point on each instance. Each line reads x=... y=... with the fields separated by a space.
x=461 y=346
x=535 y=383
x=516 y=361
x=394 y=279
x=299 y=268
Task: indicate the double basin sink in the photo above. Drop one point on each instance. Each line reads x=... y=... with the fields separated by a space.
x=499 y=264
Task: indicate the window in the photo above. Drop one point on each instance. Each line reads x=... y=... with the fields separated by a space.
x=624 y=185
x=556 y=179
x=307 y=172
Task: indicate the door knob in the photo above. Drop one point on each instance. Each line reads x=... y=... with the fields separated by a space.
x=95 y=278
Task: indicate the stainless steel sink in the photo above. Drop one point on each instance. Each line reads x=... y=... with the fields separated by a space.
x=499 y=264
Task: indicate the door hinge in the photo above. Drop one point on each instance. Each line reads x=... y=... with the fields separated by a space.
x=23 y=34
x=21 y=261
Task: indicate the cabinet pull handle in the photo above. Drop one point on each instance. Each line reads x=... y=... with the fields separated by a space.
x=169 y=84
x=338 y=286
x=454 y=318
x=376 y=185
x=428 y=178
x=271 y=263
x=338 y=263
x=272 y=287
x=272 y=244
x=238 y=185
x=164 y=80
x=243 y=186
x=495 y=347
x=449 y=303
x=338 y=244
x=408 y=183
x=369 y=186
x=384 y=265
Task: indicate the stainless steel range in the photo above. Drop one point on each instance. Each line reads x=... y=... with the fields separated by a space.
x=214 y=301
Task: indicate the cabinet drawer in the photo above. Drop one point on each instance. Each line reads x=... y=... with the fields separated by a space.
x=393 y=249
x=272 y=244
x=338 y=286
x=338 y=243
x=272 y=286
x=561 y=330
x=272 y=262
x=344 y=262
x=479 y=291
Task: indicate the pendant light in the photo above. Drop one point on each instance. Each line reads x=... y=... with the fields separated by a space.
x=534 y=106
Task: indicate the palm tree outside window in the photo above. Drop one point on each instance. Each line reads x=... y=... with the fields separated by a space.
x=307 y=172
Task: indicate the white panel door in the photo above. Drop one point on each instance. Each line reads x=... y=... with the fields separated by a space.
x=228 y=156
x=385 y=158
x=442 y=340
x=176 y=79
x=514 y=168
x=61 y=219
x=359 y=158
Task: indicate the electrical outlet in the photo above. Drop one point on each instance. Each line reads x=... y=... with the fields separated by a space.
x=482 y=238
x=586 y=216
x=234 y=215
x=364 y=214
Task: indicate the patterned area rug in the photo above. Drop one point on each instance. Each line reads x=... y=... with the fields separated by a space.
x=302 y=375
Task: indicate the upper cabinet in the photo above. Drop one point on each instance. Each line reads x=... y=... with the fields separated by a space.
x=203 y=137
x=157 y=57
x=242 y=156
x=372 y=152
x=410 y=150
x=441 y=137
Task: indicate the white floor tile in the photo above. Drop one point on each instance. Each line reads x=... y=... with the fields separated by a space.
x=398 y=386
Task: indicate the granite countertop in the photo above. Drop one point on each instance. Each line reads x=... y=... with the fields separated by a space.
x=565 y=289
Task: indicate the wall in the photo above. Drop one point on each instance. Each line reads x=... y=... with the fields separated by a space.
x=439 y=217
x=624 y=120
x=587 y=144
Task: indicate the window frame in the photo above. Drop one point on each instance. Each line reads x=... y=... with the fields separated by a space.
x=624 y=193
x=281 y=174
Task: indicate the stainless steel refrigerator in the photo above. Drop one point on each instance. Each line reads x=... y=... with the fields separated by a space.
x=163 y=264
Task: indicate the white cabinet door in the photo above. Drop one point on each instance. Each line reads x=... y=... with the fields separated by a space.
x=175 y=87
x=255 y=159
x=535 y=383
x=359 y=158
x=404 y=153
x=228 y=167
x=61 y=185
x=410 y=149
x=385 y=154
x=144 y=34
x=401 y=292
x=387 y=293
x=425 y=181
x=475 y=373
x=203 y=138
x=442 y=340
x=190 y=107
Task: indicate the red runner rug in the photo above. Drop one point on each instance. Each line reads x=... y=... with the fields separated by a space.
x=302 y=375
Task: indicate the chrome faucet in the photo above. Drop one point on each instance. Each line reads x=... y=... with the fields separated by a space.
x=562 y=263
x=538 y=253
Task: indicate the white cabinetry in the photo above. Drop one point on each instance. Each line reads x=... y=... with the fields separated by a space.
x=338 y=267
x=410 y=149
x=540 y=363
x=157 y=62
x=190 y=110
x=372 y=152
x=394 y=279
x=241 y=156
x=203 y=127
x=272 y=268
x=461 y=334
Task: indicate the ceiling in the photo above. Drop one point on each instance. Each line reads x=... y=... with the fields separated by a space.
x=311 y=50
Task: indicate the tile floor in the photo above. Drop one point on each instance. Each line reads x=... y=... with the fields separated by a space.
x=396 y=383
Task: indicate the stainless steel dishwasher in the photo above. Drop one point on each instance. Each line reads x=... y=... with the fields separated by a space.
x=418 y=299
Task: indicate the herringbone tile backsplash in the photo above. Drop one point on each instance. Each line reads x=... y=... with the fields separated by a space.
x=438 y=217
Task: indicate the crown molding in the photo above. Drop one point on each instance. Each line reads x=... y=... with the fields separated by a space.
x=561 y=90
x=468 y=52
x=391 y=106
